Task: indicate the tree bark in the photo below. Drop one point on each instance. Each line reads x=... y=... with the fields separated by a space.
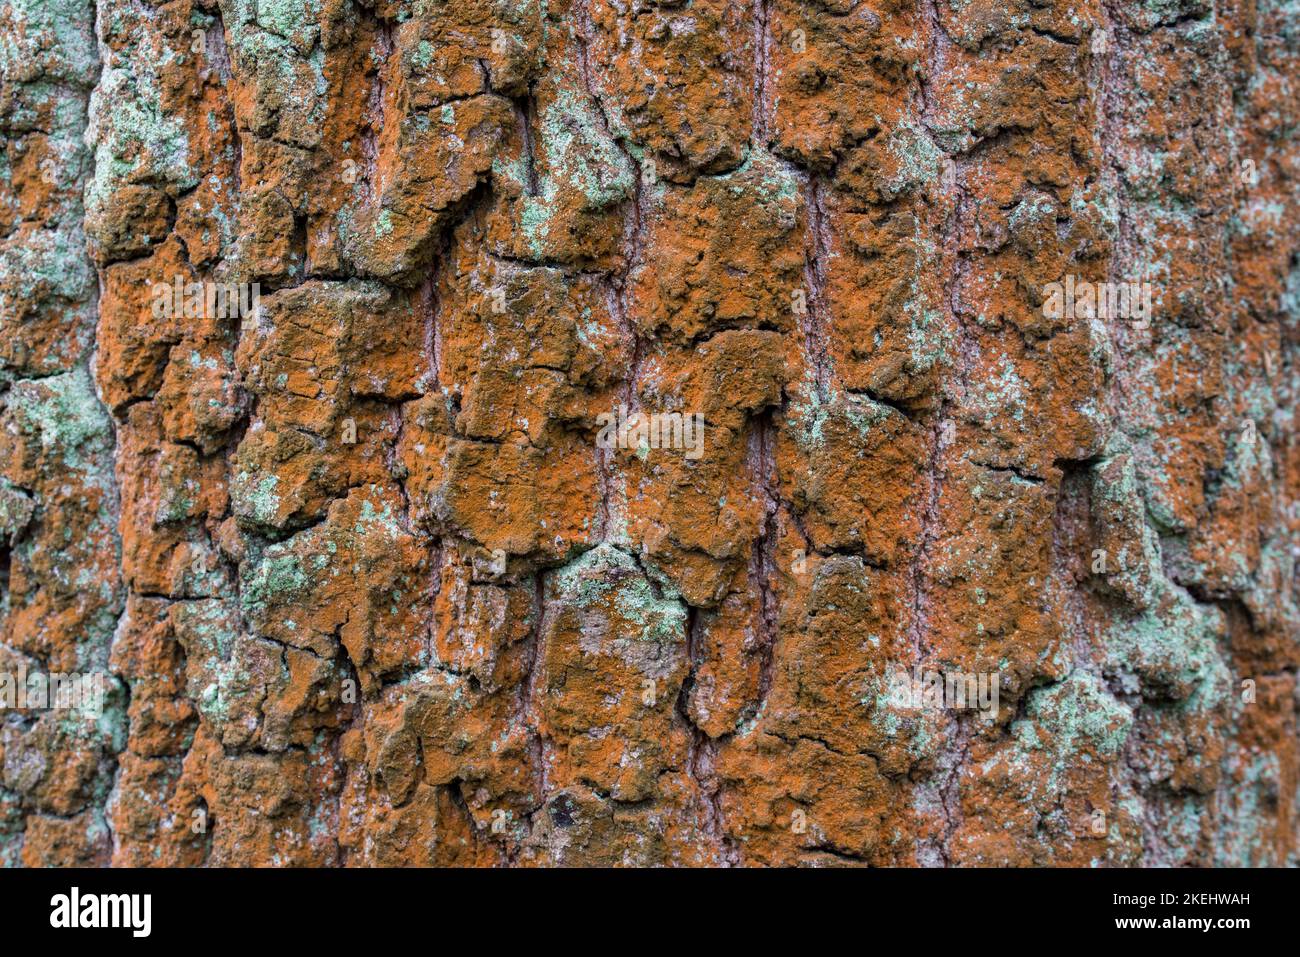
x=695 y=433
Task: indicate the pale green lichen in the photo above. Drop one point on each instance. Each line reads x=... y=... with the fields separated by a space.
x=65 y=415
x=606 y=579
x=574 y=153
x=254 y=497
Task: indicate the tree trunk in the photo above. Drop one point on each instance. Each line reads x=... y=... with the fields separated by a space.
x=696 y=433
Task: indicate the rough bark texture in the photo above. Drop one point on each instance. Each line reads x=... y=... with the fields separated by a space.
x=369 y=590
